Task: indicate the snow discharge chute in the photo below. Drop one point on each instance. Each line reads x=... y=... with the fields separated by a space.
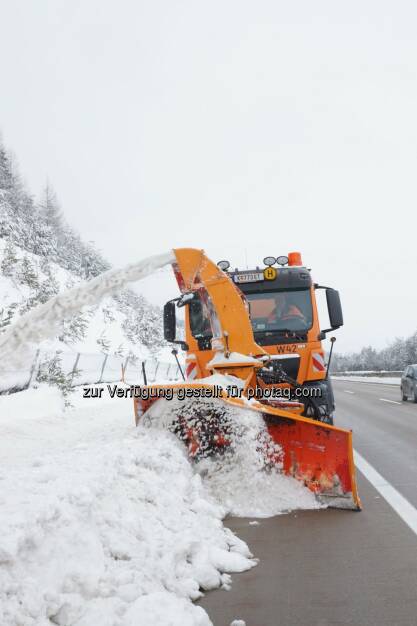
x=206 y=412
x=42 y=322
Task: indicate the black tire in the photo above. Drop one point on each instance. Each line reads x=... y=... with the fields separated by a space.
x=404 y=398
x=329 y=420
x=415 y=396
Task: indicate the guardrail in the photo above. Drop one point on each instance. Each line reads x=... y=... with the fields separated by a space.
x=365 y=373
x=88 y=368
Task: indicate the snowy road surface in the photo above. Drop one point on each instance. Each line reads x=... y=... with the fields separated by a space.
x=328 y=568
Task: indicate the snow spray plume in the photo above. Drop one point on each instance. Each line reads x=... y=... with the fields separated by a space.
x=42 y=322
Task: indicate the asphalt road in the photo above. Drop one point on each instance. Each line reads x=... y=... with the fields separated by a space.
x=333 y=567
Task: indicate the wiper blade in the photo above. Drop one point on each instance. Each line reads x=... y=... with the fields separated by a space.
x=283 y=332
x=288 y=331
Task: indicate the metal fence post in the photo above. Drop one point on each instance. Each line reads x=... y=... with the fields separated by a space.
x=74 y=369
x=32 y=371
x=106 y=356
x=124 y=366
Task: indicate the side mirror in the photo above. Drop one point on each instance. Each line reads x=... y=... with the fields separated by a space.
x=169 y=321
x=170 y=325
x=334 y=306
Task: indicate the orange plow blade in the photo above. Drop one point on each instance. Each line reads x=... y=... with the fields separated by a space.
x=318 y=455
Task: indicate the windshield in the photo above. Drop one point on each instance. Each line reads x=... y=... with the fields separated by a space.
x=276 y=311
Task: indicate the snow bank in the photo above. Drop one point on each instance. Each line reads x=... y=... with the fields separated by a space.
x=103 y=523
x=245 y=491
x=31 y=404
x=13 y=380
x=242 y=480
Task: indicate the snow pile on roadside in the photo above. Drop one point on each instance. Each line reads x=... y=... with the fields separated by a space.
x=103 y=523
x=42 y=402
x=241 y=482
x=247 y=491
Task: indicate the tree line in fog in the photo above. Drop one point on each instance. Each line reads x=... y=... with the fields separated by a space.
x=396 y=356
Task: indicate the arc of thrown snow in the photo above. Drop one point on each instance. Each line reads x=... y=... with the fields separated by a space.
x=41 y=322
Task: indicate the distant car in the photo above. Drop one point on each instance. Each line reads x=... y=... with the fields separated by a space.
x=409 y=383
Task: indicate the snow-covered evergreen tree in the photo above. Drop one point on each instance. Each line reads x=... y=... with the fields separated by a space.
x=6 y=316
x=50 y=371
x=74 y=329
x=9 y=260
x=50 y=210
x=27 y=274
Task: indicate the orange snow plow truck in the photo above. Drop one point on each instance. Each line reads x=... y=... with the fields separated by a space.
x=253 y=346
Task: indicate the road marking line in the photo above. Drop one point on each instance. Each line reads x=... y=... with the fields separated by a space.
x=347 y=391
x=400 y=504
x=390 y=401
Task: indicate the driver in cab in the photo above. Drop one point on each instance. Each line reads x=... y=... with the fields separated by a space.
x=284 y=310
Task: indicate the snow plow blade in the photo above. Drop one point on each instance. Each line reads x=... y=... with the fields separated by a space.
x=318 y=455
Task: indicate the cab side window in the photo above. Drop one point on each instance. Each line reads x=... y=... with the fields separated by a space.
x=200 y=324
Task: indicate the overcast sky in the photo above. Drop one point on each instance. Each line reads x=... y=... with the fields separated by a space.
x=245 y=128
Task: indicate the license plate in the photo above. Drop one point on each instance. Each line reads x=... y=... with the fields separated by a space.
x=252 y=277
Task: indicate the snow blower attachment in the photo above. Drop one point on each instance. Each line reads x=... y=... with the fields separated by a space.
x=229 y=375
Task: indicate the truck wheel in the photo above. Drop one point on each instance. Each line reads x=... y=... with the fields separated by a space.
x=330 y=420
x=404 y=398
x=415 y=395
